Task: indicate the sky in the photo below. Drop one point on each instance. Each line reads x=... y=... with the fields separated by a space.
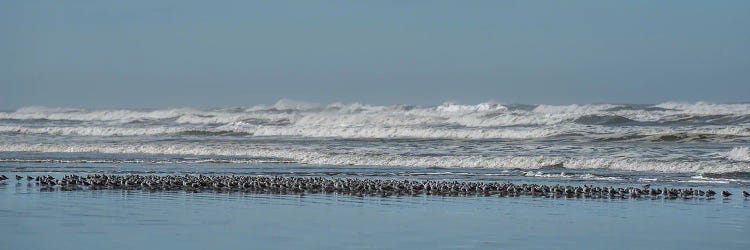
x=152 y=54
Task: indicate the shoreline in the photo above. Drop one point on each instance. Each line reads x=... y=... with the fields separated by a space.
x=357 y=187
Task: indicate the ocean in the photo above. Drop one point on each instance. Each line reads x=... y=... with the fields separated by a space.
x=675 y=145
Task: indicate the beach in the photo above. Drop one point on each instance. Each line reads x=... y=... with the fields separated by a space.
x=300 y=175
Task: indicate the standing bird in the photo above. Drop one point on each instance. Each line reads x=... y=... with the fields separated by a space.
x=18 y=177
x=746 y=194
x=726 y=193
x=710 y=193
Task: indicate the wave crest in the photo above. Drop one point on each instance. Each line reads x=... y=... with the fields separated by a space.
x=322 y=158
x=482 y=107
x=663 y=122
x=739 y=154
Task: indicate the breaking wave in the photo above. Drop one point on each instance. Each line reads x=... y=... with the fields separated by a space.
x=483 y=114
x=90 y=131
x=320 y=132
x=704 y=108
x=667 y=137
x=490 y=120
x=739 y=154
x=328 y=158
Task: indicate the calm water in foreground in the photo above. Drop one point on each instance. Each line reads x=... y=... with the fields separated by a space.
x=119 y=219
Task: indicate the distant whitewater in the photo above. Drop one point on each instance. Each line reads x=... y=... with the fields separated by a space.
x=668 y=137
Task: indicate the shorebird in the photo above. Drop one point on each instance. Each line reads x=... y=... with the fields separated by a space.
x=710 y=193
x=18 y=177
x=746 y=194
x=29 y=178
x=358 y=187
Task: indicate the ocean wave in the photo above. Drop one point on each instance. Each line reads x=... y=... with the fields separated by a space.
x=91 y=131
x=482 y=107
x=689 y=137
x=712 y=180
x=327 y=158
x=482 y=114
x=739 y=154
x=489 y=120
x=692 y=119
x=587 y=176
x=341 y=127
x=707 y=108
x=150 y=161
x=121 y=116
x=602 y=120
x=318 y=132
x=705 y=134
x=574 y=108
x=118 y=131
x=404 y=132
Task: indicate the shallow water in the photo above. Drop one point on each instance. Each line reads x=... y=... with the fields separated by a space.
x=667 y=137
x=675 y=145
x=115 y=219
x=122 y=219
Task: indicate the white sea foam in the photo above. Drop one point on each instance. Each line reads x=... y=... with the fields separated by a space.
x=588 y=136
x=574 y=109
x=305 y=156
x=703 y=179
x=488 y=120
x=707 y=108
x=92 y=130
x=540 y=174
x=357 y=132
x=488 y=114
x=482 y=121
x=739 y=154
x=397 y=132
x=288 y=104
x=342 y=127
x=482 y=107
x=122 y=116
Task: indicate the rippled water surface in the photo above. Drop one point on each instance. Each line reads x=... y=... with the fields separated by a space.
x=675 y=145
x=122 y=219
x=666 y=137
x=135 y=219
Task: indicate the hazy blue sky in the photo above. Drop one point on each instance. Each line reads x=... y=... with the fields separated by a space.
x=239 y=53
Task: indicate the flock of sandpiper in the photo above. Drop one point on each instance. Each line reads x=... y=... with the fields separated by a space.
x=358 y=187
